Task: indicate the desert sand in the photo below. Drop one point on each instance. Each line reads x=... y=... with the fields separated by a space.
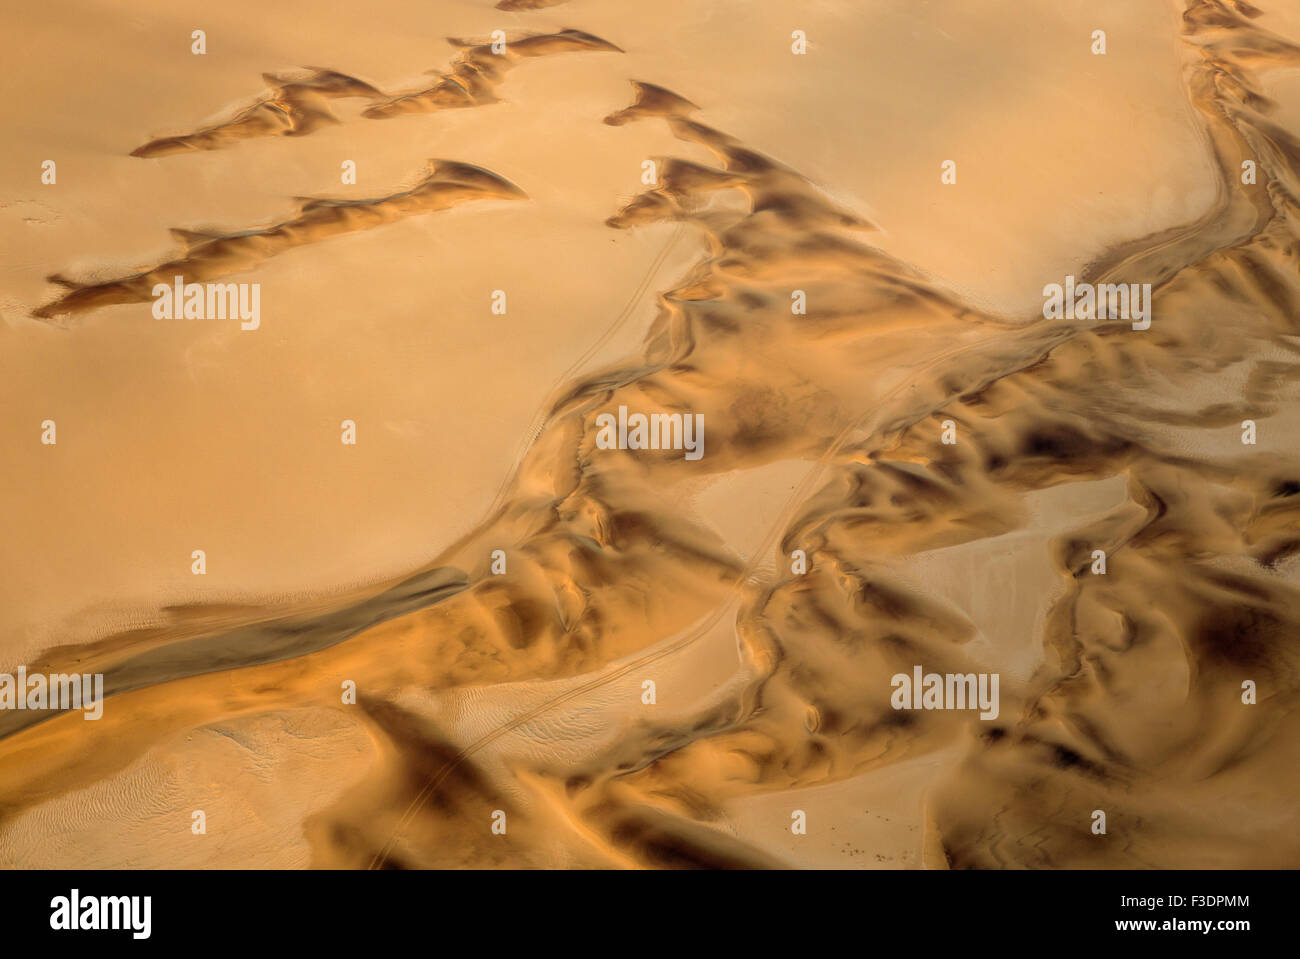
x=477 y=637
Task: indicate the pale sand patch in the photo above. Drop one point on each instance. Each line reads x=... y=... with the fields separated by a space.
x=745 y=506
x=686 y=681
x=255 y=778
x=872 y=821
x=1006 y=584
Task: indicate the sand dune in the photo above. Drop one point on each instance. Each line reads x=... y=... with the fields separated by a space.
x=295 y=108
x=208 y=255
x=528 y=4
x=478 y=70
x=298 y=107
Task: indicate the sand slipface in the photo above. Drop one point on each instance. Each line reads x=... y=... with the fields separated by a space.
x=624 y=437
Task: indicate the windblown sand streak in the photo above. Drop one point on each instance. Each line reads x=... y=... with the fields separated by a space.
x=528 y=4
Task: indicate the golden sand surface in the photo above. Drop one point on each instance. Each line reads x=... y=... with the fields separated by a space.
x=478 y=636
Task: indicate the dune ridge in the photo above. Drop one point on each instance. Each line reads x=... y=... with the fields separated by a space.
x=298 y=105
x=210 y=254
